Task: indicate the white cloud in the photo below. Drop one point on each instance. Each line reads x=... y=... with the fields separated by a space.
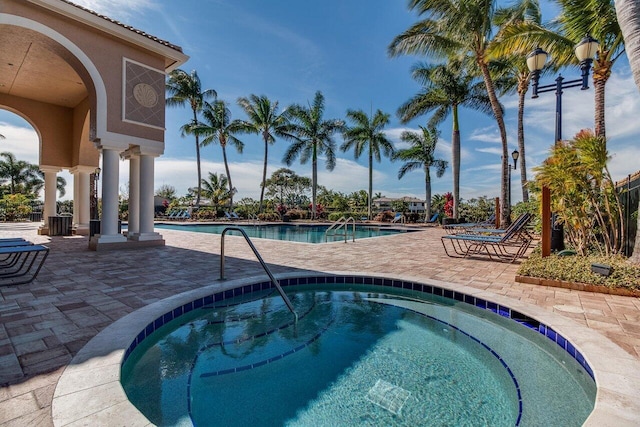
x=490 y=150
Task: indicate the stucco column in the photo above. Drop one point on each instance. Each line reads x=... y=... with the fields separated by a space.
x=81 y=198
x=50 y=190
x=147 y=163
x=134 y=196
x=110 y=180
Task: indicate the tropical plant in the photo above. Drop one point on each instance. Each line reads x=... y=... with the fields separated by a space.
x=458 y=29
x=184 y=88
x=166 y=191
x=445 y=88
x=264 y=120
x=14 y=207
x=218 y=128
x=288 y=187
x=421 y=155
x=367 y=133
x=585 y=198
x=216 y=189
x=477 y=209
x=312 y=136
x=628 y=14
x=18 y=173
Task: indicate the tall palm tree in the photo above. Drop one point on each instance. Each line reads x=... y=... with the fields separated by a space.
x=445 y=88
x=264 y=120
x=184 y=88
x=19 y=173
x=312 y=136
x=367 y=133
x=559 y=37
x=218 y=128
x=420 y=154
x=628 y=13
x=513 y=70
x=459 y=28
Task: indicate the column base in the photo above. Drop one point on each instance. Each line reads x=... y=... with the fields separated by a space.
x=43 y=230
x=143 y=237
x=96 y=244
x=81 y=229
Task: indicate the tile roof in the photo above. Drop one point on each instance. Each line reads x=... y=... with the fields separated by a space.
x=128 y=27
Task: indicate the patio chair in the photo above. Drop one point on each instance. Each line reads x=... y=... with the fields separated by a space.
x=235 y=216
x=433 y=220
x=21 y=263
x=456 y=228
x=511 y=245
x=519 y=225
x=398 y=218
x=228 y=216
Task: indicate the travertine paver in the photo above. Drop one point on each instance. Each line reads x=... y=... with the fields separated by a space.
x=79 y=292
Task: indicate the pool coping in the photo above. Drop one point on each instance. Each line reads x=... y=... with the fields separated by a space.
x=89 y=390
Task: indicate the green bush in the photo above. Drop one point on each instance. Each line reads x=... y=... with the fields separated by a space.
x=205 y=214
x=15 y=207
x=577 y=269
x=296 y=214
x=269 y=216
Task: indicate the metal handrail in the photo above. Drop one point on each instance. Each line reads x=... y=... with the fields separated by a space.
x=274 y=281
x=343 y=222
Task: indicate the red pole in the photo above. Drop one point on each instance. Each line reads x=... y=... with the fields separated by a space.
x=546 y=222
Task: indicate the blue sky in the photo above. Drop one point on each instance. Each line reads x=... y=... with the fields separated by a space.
x=287 y=50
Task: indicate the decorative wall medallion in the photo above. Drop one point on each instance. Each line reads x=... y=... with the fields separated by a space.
x=145 y=95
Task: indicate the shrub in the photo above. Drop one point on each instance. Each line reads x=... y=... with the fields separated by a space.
x=205 y=214
x=269 y=216
x=15 y=206
x=296 y=214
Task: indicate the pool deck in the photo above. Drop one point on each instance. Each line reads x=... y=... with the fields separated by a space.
x=78 y=293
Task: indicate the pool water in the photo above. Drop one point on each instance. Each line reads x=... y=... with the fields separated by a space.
x=354 y=358
x=292 y=233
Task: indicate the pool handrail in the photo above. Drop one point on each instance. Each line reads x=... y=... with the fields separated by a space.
x=339 y=224
x=274 y=281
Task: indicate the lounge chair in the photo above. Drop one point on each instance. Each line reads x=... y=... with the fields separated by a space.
x=457 y=228
x=228 y=216
x=398 y=218
x=235 y=216
x=433 y=220
x=21 y=264
x=509 y=245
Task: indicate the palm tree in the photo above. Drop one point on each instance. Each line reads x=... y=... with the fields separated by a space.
x=458 y=28
x=420 y=154
x=217 y=127
x=445 y=88
x=184 y=88
x=217 y=190
x=594 y=17
x=264 y=120
x=514 y=73
x=17 y=172
x=366 y=132
x=312 y=136
x=628 y=13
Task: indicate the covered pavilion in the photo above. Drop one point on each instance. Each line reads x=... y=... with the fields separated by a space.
x=93 y=90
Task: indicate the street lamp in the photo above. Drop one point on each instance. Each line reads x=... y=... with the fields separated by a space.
x=514 y=155
x=585 y=52
x=94 y=194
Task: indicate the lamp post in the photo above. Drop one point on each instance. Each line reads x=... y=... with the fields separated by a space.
x=585 y=52
x=95 y=176
x=514 y=155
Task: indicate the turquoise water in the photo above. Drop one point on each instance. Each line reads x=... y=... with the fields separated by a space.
x=354 y=358
x=293 y=233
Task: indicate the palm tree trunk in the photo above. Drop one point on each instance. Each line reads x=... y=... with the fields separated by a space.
x=314 y=180
x=455 y=159
x=599 y=82
x=370 y=179
x=523 y=85
x=226 y=167
x=195 y=122
x=628 y=13
x=427 y=188
x=505 y=212
x=264 y=170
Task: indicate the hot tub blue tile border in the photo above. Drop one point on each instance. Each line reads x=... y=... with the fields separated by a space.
x=460 y=297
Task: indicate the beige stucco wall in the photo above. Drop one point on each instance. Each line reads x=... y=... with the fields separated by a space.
x=107 y=53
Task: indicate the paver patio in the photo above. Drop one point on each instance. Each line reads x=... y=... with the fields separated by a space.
x=79 y=292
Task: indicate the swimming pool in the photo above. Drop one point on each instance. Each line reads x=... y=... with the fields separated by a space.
x=366 y=350
x=306 y=233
